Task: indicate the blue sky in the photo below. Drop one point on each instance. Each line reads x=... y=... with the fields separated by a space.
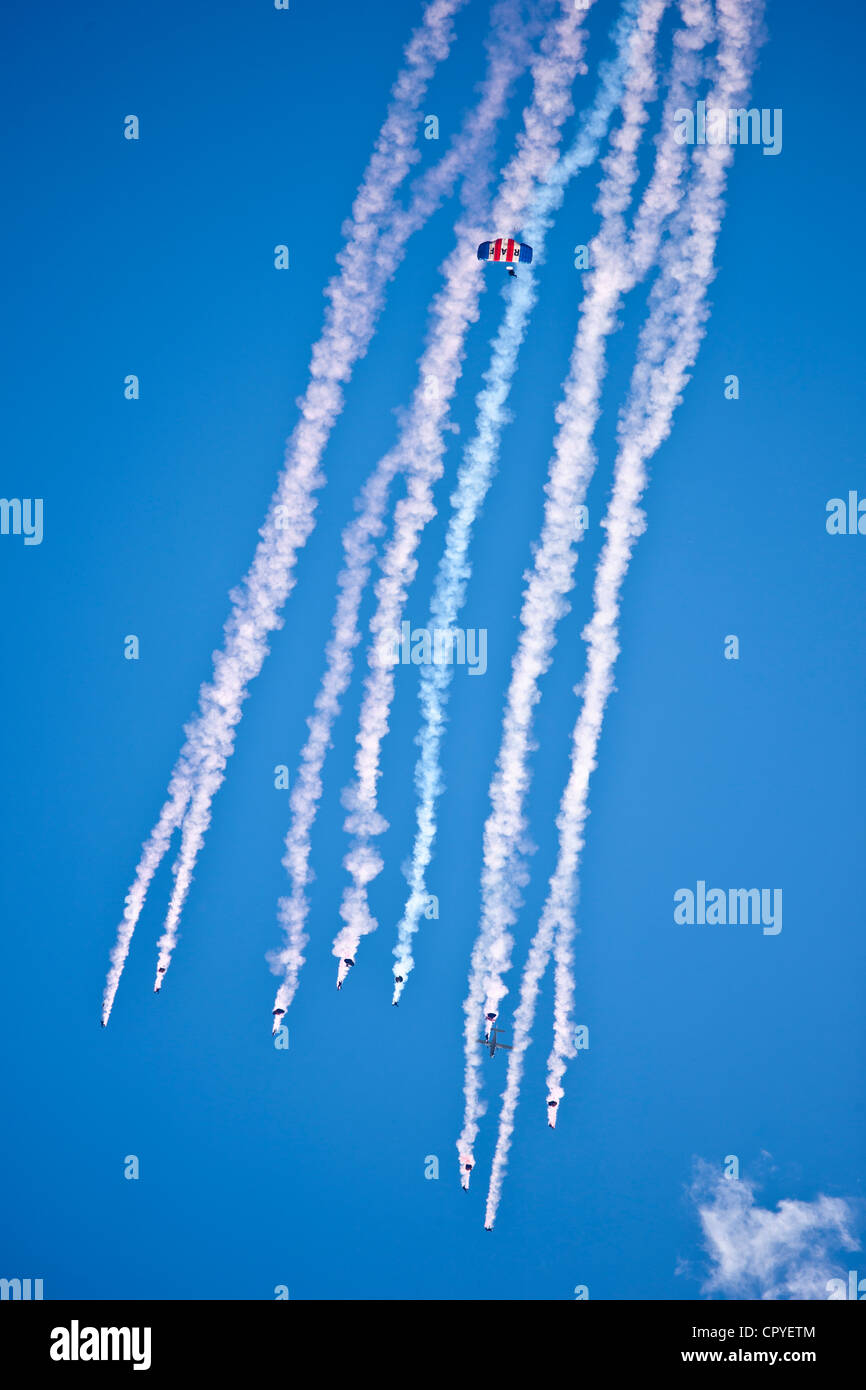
x=305 y=1167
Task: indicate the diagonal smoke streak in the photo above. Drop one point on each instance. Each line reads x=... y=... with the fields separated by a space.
x=355 y=298
x=553 y=75
x=668 y=346
x=668 y=350
x=510 y=52
x=359 y=544
x=614 y=263
x=213 y=762
x=476 y=475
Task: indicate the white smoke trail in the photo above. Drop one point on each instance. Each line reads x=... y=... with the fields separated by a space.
x=355 y=298
x=214 y=755
x=510 y=51
x=553 y=75
x=475 y=477
x=212 y=763
x=668 y=346
x=552 y=574
x=686 y=71
x=359 y=543
x=668 y=349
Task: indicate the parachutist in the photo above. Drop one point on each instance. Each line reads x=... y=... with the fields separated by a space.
x=507 y=250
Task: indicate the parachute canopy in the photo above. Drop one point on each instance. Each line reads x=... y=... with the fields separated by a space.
x=506 y=249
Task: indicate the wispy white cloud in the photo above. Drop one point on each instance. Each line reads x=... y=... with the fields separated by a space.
x=755 y=1252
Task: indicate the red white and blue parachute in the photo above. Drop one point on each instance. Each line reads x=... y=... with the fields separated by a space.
x=506 y=249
